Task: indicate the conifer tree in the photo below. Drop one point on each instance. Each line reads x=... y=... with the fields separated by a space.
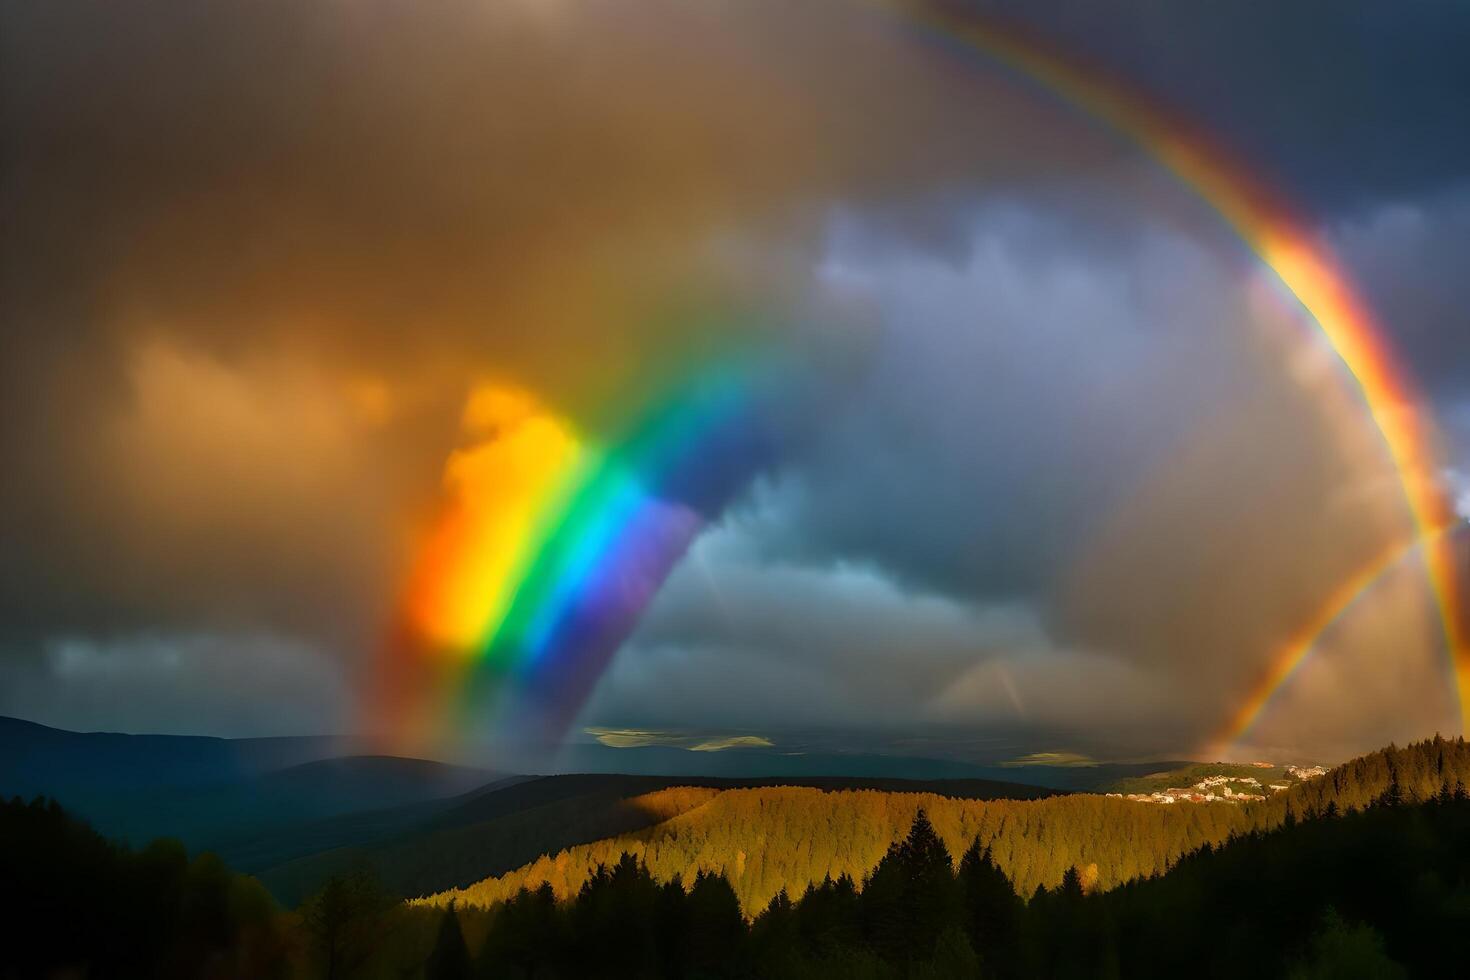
x=953 y=959
x=450 y=959
x=717 y=930
x=912 y=896
x=992 y=911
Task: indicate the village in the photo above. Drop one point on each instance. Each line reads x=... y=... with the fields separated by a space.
x=1224 y=788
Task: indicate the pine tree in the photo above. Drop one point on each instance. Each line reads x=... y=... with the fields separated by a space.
x=953 y=959
x=992 y=911
x=1344 y=952
x=1394 y=795
x=344 y=920
x=776 y=935
x=717 y=930
x=912 y=896
x=450 y=959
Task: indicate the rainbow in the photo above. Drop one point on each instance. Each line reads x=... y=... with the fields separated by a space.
x=1304 y=267
x=552 y=544
x=536 y=574
x=1293 y=653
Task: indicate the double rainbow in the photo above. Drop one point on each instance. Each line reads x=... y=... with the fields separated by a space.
x=542 y=578
x=1304 y=267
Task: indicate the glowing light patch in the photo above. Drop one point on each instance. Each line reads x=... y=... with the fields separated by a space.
x=497 y=493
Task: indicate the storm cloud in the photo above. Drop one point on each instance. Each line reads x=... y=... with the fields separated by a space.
x=1076 y=463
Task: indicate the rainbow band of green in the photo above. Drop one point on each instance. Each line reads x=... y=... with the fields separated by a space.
x=604 y=549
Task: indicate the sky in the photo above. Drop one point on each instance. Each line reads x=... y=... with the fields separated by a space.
x=1056 y=459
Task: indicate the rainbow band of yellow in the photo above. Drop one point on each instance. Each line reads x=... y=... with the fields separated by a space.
x=1304 y=268
x=551 y=543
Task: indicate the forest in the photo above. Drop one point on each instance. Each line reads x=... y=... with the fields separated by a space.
x=1363 y=872
x=767 y=839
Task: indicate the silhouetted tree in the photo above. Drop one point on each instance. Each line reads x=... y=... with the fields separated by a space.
x=776 y=937
x=345 y=921
x=74 y=904
x=912 y=895
x=828 y=916
x=992 y=912
x=450 y=959
x=524 y=937
x=716 y=928
x=953 y=959
x=1343 y=952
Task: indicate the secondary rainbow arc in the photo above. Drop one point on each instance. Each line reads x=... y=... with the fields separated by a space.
x=1304 y=267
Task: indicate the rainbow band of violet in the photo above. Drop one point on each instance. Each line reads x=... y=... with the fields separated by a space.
x=610 y=544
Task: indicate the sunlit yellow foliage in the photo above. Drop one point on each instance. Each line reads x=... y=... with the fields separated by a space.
x=771 y=838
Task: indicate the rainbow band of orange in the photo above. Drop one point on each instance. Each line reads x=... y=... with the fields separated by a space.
x=550 y=546
x=1283 y=243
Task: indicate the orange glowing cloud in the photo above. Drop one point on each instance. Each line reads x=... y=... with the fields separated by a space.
x=495 y=491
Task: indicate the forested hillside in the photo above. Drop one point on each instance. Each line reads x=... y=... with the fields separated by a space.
x=431 y=858
x=501 y=827
x=767 y=839
x=1364 y=872
x=1397 y=872
x=1378 y=894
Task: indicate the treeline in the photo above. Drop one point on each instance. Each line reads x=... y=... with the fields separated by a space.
x=1380 y=892
x=75 y=904
x=1357 y=893
x=1365 y=872
x=441 y=855
x=764 y=840
x=769 y=839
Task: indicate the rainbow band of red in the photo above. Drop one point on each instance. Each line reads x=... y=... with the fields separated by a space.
x=553 y=543
x=1283 y=242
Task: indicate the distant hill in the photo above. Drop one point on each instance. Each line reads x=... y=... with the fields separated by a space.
x=767 y=839
x=37 y=759
x=495 y=829
x=210 y=792
x=216 y=817
x=294 y=810
x=266 y=847
x=754 y=763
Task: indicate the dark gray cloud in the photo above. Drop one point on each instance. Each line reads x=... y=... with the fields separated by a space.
x=1343 y=103
x=1012 y=394
x=1089 y=478
x=187 y=684
x=1408 y=257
